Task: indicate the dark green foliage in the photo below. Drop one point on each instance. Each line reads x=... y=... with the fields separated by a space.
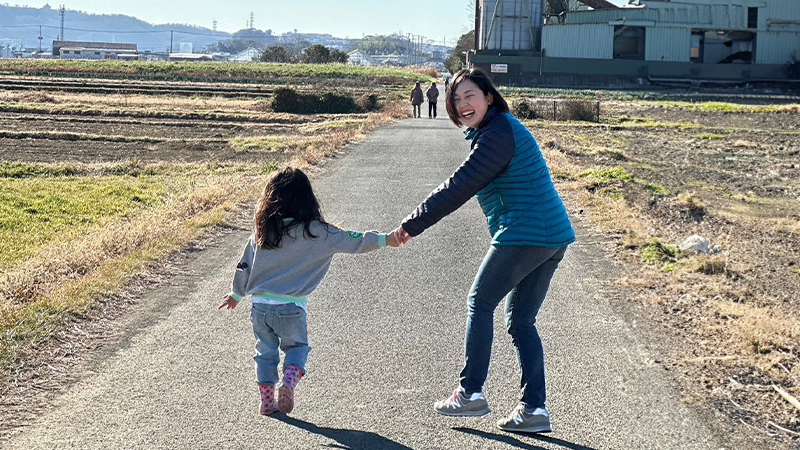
x=384 y=45
x=276 y=54
x=233 y=45
x=457 y=59
x=290 y=101
x=338 y=57
x=317 y=54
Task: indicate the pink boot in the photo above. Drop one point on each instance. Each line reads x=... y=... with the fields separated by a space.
x=291 y=378
x=268 y=405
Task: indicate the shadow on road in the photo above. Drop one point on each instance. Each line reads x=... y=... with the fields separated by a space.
x=519 y=444
x=348 y=439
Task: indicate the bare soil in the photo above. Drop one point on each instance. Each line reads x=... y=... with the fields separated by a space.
x=731 y=177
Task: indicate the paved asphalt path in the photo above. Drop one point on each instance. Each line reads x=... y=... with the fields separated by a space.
x=387 y=334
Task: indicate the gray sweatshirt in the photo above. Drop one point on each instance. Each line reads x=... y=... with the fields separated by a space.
x=289 y=273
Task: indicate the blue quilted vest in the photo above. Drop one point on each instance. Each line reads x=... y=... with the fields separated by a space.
x=522 y=205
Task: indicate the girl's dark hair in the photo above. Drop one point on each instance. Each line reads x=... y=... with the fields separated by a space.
x=288 y=195
x=483 y=82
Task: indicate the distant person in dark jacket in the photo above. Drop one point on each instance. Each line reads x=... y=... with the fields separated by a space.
x=417 y=98
x=530 y=231
x=433 y=97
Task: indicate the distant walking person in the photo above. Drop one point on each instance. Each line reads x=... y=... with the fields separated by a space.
x=417 y=99
x=285 y=259
x=433 y=96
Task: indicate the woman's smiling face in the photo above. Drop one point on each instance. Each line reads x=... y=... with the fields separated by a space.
x=471 y=103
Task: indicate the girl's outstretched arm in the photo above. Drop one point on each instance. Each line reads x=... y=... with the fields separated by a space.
x=229 y=303
x=343 y=241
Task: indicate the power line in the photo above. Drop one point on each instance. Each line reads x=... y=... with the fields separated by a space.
x=217 y=34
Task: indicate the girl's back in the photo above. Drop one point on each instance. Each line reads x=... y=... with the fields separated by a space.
x=299 y=264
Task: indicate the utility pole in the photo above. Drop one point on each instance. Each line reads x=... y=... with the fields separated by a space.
x=171 y=33
x=408 y=49
x=252 y=20
x=63 y=11
x=40 y=39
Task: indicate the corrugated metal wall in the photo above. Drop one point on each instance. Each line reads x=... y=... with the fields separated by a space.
x=668 y=44
x=510 y=24
x=721 y=17
x=578 y=41
x=588 y=34
x=782 y=10
x=611 y=15
x=777 y=47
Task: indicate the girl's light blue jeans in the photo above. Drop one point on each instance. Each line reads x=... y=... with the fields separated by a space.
x=281 y=327
x=521 y=275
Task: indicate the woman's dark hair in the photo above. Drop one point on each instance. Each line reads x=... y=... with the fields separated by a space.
x=288 y=195
x=483 y=82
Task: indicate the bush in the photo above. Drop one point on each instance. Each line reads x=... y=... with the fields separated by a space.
x=524 y=110
x=276 y=54
x=584 y=110
x=368 y=102
x=290 y=101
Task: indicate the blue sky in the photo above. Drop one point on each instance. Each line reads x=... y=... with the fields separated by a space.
x=436 y=20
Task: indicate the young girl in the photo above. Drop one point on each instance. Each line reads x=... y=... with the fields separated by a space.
x=284 y=260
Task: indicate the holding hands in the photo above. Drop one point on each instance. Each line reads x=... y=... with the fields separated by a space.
x=397 y=238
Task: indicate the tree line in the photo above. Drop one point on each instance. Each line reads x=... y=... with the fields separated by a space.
x=304 y=52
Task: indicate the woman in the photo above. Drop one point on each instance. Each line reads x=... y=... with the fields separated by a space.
x=417 y=98
x=530 y=231
x=433 y=98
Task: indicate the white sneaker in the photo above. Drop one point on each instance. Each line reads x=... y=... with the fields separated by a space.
x=459 y=405
x=522 y=420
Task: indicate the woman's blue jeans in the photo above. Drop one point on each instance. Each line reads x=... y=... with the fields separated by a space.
x=281 y=327
x=521 y=275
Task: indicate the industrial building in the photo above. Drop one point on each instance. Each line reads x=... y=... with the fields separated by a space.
x=94 y=50
x=647 y=42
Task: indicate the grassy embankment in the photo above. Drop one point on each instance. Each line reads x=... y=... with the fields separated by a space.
x=213 y=71
x=74 y=232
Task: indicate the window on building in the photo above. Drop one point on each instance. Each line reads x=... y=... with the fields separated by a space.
x=722 y=47
x=96 y=53
x=752 y=17
x=697 y=47
x=77 y=52
x=629 y=42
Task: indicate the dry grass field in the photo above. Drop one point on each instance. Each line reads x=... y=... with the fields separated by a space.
x=99 y=186
x=652 y=173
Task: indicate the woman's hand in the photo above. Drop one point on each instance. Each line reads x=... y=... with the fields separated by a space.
x=401 y=236
x=229 y=303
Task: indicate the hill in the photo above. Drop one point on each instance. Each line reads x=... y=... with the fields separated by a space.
x=22 y=24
